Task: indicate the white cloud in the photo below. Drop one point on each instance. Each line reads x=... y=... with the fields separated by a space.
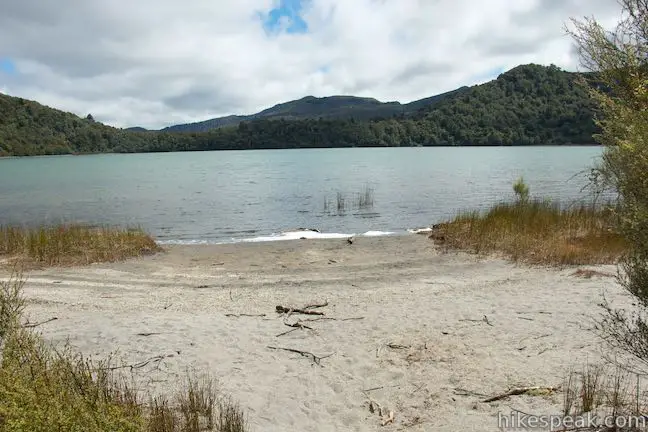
x=159 y=62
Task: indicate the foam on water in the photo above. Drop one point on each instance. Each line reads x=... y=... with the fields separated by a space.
x=283 y=236
x=377 y=233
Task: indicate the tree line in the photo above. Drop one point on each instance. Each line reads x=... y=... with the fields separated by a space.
x=528 y=105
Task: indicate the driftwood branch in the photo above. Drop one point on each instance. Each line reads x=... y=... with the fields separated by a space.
x=385 y=418
x=397 y=346
x=295 y=326
x=333 y=319
x=244 y=315
x=306 y=310
x=139 y=365
x=32 y=325
x=388 y=419
x=315 y=359
x=519 y=391
x=484 y=320
x=299 y=324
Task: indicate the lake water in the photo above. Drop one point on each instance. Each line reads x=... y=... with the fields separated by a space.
x=256 y=195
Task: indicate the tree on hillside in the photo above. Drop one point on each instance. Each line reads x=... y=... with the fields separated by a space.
x=619 y=59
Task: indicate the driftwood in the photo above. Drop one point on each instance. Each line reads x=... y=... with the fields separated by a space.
x=139 y=365
x=299 y=324
x=484 y=319
x=397 y=346
x=315 y=359
x=388 y=419
x=32 y=325
x=295 y=326
x=306 y=310
x=147 y=334
x=334 y=319
x=374 y=406
x=244 y=315
x=519 y=391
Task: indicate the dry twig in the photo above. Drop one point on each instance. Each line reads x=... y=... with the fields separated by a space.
x=306 y=310
x=388 y=419
x=244 y=315
x=315 y=359
x=520 y=391
x=32 y=325
x=156 y=359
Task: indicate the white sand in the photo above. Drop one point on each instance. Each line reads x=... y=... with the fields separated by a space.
x=408 y=293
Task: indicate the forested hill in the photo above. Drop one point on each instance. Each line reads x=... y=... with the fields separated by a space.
x=527 y=105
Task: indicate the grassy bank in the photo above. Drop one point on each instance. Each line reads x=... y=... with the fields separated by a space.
x=536 y=232
x=74 y=244
x=44 y=389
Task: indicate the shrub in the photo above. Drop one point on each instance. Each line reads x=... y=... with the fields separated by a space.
x=521 y=190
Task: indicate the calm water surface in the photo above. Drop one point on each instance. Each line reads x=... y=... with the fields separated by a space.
x=233 y=195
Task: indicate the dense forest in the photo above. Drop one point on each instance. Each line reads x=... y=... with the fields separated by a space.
x=528 y=105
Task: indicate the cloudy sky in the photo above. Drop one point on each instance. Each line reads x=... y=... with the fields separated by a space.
x=159 y=62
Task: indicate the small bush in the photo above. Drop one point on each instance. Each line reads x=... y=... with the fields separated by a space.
x=521 y=190
x=74 y=244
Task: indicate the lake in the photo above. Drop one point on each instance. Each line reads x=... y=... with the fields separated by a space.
x=213 y=197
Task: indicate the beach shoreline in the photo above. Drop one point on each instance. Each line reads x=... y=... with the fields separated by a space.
x=425 y=333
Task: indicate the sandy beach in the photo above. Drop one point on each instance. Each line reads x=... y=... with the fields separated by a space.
x=424 y=333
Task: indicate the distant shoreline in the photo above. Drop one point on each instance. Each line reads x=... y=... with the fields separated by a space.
x=305 y=148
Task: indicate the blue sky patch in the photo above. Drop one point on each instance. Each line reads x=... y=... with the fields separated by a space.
x=285 y=17
x=7 y=66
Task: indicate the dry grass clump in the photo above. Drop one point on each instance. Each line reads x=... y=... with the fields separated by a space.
x=536 y=232
x=609 y=396
x=74 y=244
x=44 y=389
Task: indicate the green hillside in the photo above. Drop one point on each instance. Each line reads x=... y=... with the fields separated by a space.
x=528 y=105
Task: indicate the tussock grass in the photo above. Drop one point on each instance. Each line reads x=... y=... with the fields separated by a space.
x=608 y=391
x=74 y=244
x=44 y=389
x=537 y=232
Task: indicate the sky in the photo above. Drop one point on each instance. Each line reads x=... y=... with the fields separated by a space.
x=155 y=63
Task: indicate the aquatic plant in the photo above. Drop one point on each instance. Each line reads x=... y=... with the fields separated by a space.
x=344 y=202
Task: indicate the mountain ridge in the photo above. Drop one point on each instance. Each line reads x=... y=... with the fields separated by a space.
x=339 y=107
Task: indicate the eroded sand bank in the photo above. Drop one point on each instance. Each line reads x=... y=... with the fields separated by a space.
x=430 y=306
